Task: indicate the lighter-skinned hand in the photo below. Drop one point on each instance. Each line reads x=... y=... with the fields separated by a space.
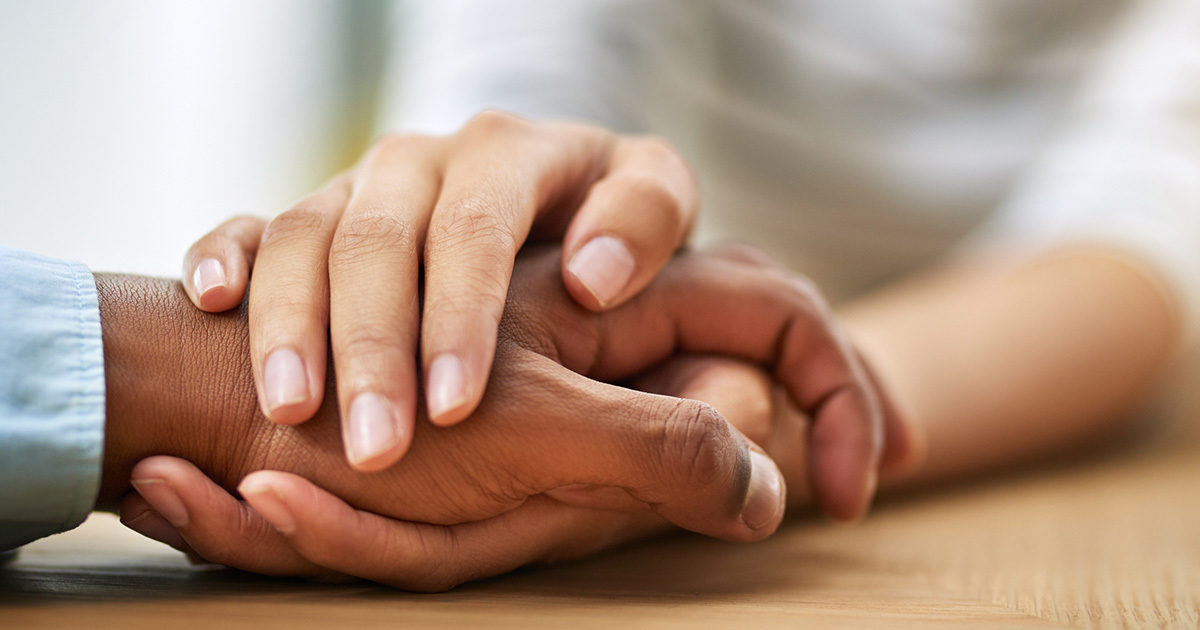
x=442 y=216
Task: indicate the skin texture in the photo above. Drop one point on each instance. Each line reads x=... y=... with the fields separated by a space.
x=179 y=385
x=452 y=212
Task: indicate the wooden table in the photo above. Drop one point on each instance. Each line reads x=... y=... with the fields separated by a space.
x=1111 y=540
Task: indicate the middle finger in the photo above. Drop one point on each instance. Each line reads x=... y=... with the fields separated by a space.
x=374 y=264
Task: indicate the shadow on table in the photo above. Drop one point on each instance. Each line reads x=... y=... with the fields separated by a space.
x=668 y=568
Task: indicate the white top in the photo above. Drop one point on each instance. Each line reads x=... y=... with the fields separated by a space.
x=859 y=140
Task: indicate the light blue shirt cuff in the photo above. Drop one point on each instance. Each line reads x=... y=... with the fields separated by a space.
x=51 y=396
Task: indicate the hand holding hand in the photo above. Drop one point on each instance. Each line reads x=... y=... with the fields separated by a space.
x=318 y=535
x=347 y=263
x=673 y=455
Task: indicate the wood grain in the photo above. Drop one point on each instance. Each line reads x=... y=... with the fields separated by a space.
x=1111 y=540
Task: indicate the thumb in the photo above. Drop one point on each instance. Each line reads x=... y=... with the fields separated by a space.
x=680 y=457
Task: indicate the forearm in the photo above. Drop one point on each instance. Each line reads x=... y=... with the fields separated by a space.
x=998 y=363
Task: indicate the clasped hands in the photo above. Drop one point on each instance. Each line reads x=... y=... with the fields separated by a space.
x=718 y=392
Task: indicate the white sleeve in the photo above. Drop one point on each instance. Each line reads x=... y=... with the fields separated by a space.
x=588 y=60
x=1124 y=166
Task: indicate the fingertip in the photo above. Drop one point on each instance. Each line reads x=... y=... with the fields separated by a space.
x=378 y=462
x=766 y=496
x=219 y=300
x=164 y=498
x=599 y=273
x=293 y=414
x=159 y=467
x=904 y=452
x=152 y=525
x=449 y=399
x=847 y=448
x=288 y=397
x=259 y=481
x=265 y=498
x=210 y=285
x=376 y=432
x=843 y=502
x=453 y=416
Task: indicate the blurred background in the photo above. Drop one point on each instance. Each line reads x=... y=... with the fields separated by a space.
x=854 y=145
x=130 y=128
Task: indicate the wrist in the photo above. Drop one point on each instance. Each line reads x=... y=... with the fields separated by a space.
x=171 y=373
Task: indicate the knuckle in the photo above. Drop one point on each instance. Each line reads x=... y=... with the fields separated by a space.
x=697 y=442
x=801 y=291
x=440 y=566
x=286 y=320
x=400 y=141
x=367 y=342
x=651 y=190
x=656 y=148
x=367 y=233
x=491 y=122
x=239 y=220
x=477 y=298
x=399 y=144
x=477 y=224
x=302 y=219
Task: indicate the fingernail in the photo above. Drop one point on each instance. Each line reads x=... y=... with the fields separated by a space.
x=764 y=501
x=604 y=266
x=209 y=274
x=163 y=499
x=267 y=503
x=447 y=385
x=372 y=428
x=284 y=380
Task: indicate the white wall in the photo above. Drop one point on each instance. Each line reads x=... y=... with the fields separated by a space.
x=128 y=128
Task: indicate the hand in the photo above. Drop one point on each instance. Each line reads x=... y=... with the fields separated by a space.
x=730 y=301
x=542 y=426
x=318 y=535
x=761 y=410
x=347 y=260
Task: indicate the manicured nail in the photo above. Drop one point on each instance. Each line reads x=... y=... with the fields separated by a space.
x=604 y=266
x=163 y=499
x=267 y=502
x=209 y=274
x=284 y=380
x=764 y=501
x=446 y=389
x=372 y=428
